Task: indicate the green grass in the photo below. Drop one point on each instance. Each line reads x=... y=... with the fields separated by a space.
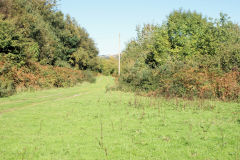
x=86 y=123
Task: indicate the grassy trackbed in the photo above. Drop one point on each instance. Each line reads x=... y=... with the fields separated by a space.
x=87 y=123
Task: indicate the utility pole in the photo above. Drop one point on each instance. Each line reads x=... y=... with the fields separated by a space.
x=119 y=56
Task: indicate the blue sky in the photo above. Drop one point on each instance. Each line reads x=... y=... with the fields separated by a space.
x=105 y=19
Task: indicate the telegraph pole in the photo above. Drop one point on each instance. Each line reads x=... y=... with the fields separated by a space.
x=119 y=55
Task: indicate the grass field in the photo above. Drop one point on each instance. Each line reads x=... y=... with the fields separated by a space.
x=87 y=123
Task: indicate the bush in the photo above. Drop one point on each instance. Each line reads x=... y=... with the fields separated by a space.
x=7 y=88
x=60 y=63
x=36 y=76
x=89 y=76
x=182 y=80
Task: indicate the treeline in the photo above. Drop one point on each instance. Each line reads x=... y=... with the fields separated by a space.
x=38 y=41
x=108 y=66
x=187 y=56
x=35 y=30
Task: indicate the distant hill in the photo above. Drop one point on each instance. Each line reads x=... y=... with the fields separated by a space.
x=108 y=56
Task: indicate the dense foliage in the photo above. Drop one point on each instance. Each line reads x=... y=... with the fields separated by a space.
x=37 y=76
x=34 y=31
x=108 y=66
x=187 y=56
x=37 y=30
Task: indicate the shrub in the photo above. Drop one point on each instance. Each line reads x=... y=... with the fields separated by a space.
x=60 y=63
x=36 y=76
x=182 y=80
x=89 y=76
x=7 y=88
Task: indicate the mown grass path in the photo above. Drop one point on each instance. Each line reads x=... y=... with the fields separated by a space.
x=87 y=123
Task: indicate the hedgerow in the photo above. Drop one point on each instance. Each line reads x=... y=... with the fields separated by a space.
x=187 y=56
x=35 y=76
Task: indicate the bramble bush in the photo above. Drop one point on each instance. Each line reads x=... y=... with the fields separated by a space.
x=186 y=82
x=36 y=76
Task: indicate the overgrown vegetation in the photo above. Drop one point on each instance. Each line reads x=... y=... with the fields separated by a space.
x=109 y=66
x=36 y=39
x=187 y=56
x=37 y=76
